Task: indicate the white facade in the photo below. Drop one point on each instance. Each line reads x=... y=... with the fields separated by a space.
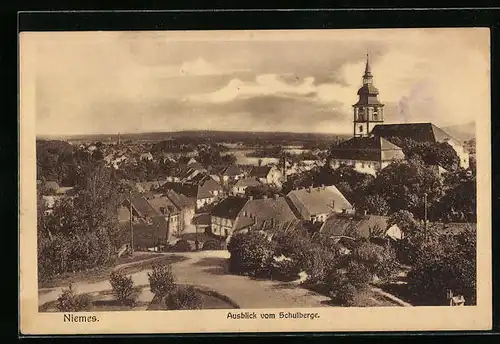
x=461 y=152
x=368 y=167
x=221 y=226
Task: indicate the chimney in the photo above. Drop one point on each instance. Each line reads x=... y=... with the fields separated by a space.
x=310 y=188
x=260 y=162
x=365 y=212
x=250 y=198
x=264 y=197
x=276 y=196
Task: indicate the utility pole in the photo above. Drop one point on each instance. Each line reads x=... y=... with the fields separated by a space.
x=131 y=226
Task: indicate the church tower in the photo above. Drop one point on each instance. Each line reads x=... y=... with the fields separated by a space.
x=368 y=111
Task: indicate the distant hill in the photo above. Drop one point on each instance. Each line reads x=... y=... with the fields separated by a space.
x=218 y=136
x=463 y=132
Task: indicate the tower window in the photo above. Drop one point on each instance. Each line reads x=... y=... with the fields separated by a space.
x=360 y=128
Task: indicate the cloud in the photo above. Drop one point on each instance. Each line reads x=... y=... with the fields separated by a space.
x=109 y=81
x=267 y=84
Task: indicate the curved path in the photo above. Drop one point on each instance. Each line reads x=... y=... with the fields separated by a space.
x=207 y=269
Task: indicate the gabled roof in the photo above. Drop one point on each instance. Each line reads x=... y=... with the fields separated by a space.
x=179 y=200
x=231 y=170
x=367 y=149
x=354 y=225
x=206 y=188
x=420 y=132
x=188 y=190
x=262 y=212
x=143 y=207
x=260 y=171
x=163 y=206
x=245 y=182
x=229 y=207
x=319 y=200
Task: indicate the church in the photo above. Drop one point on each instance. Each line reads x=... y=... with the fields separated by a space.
x=370 y=149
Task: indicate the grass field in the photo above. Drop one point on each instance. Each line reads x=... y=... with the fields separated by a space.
x=134 y=264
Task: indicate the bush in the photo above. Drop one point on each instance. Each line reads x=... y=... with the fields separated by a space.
x=183 y=298
x=182 y=246
x=122 y=286
x=358 y=274
x=380 y=260
x=284 y=268
x=212 y=245
x=69 y=302
x=345 y=295
x=161 y=280
x=251 y=254
x=71 y=253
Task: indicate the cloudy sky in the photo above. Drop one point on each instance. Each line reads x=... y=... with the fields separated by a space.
x=300 y=81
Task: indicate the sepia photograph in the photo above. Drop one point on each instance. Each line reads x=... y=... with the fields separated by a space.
x=255 y=180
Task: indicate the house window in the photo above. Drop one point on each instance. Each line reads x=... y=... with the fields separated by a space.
x=362 y=165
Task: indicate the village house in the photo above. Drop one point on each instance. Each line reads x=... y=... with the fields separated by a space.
x=231 y=173
x=150 y=228
x=242 y=184
x=359 y=225
x=315 y=204
x=202 y=190
x=149 y=186
x=268 y=174
x=208 y=192
x=223 y=215
x=265 y=214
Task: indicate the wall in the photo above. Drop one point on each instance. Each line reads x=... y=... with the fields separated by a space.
x=221 y=226
x=368 y=167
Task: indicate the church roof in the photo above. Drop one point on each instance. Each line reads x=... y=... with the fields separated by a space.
x=368 y=89
x=367 y=149
x=420 y=132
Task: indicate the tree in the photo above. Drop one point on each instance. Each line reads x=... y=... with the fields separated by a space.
x=404 y=185
x=262 y=190
x=459 y=201
x=373 y=204
x=251 y=254
x=451 y=266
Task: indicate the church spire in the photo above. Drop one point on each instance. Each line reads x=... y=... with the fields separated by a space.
x=368 y=77
x=368 y=68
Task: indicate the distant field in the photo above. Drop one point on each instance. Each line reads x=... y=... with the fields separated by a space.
x=219 y=136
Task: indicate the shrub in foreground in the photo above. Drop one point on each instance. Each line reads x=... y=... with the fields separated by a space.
x=251 y=254
x=345 y=295
x=183 y=298
x=68 y=301
x=161 y=280
x=123 y=286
